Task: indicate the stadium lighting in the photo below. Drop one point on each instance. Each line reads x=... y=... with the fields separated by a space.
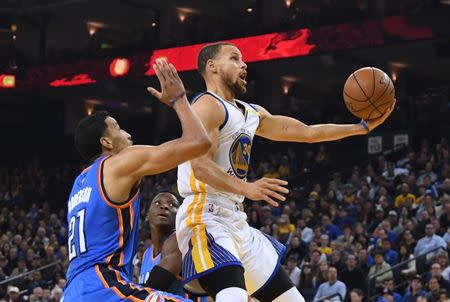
x=394 y=76
x=184 y=12
x=119 y=67
x=7 y=81
x=94 y=26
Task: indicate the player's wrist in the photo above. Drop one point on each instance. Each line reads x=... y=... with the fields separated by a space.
x=179 y=101
x=364 y=125
x=178 y=98
x=242 y=188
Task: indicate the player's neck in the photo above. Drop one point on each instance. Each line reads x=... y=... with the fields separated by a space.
x=222 y=91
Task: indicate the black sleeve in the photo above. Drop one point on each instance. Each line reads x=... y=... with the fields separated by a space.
x=160 y=279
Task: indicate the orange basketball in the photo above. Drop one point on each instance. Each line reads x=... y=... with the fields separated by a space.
x=368 y=93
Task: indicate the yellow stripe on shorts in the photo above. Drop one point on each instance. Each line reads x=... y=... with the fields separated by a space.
x=200 y=252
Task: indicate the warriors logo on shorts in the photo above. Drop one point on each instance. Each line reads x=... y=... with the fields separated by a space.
x=240 y=155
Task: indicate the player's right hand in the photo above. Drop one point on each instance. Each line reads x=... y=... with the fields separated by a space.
x=266 y=189
x=172 y=87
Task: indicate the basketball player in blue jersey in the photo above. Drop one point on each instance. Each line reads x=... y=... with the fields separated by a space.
x=222 y=255
x=103 y=207
x=161 y=263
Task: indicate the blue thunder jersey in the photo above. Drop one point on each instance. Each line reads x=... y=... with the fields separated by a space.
x=100 y=230
x=149 y=261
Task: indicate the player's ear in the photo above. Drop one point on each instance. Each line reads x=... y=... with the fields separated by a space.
x=211 y=66
x=106 y=143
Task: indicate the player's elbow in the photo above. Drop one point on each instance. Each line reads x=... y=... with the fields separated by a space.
x=199 y=169
x=201 y=145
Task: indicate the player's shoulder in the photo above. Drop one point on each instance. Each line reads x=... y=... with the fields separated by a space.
x=170 y=245
x=206 y=99
x=210 y=109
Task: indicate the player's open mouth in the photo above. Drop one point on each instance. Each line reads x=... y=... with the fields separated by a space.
x=242 y=76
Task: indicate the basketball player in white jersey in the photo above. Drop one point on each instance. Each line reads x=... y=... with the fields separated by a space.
x=222 y=255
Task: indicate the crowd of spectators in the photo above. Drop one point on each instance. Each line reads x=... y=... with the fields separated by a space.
x=350 y=231
x=354 y=236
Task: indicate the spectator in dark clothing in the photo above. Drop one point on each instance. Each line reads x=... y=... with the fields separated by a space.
x=365 y=261
x=414 y=290
x=389 y=254
x=296 y=248
x=444 y=219
x=389 y=284
x=434 y=289
x=436 y=272
x=352 y=276
x=330 y=229
x=307 y=282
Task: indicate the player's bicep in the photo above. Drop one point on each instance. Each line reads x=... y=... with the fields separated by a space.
x=138 y=161
x=281 y=128
x=213 y=115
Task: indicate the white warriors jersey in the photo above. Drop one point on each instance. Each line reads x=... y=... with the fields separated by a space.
x=233 y=152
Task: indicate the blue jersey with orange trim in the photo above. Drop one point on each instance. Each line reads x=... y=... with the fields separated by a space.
x=100 y=230
x=149 y=261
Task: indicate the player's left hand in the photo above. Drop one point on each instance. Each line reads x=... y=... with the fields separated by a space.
x=372 y=124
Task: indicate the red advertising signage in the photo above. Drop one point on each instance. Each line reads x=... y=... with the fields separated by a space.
x=266 y=47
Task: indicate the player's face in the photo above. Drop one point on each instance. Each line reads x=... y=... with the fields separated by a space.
x=163 y=210
x=232 y=70
x=120 y=139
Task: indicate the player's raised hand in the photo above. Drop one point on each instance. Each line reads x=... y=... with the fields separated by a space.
x=372 y=124
x=172 y=88
x=267 y=189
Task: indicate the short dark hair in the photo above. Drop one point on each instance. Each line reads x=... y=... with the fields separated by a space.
x=358 y=292
x=379 y=252
x=208 y=52
x=88 y=133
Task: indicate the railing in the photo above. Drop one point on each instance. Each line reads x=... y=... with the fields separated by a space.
x=421 y=262
x=6 y=281
x=332 y=296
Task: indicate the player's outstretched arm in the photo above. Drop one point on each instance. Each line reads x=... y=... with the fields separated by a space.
x=137 y=161
x=287 y=129
x=169 y=268
x=212 y=115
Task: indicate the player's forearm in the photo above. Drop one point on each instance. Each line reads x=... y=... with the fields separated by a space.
x=332 y=132
x=208 y=172
x=287 y=129
x=193 y=130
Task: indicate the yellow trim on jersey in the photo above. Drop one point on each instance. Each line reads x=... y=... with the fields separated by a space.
x=200 y=252
x=192 y=181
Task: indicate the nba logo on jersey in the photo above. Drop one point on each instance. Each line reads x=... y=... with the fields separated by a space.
x=155 y=297
x=240 y=155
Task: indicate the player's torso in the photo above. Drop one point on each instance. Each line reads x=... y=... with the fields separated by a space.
x=100 y=231
x=233 y=152
x=148 y=262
